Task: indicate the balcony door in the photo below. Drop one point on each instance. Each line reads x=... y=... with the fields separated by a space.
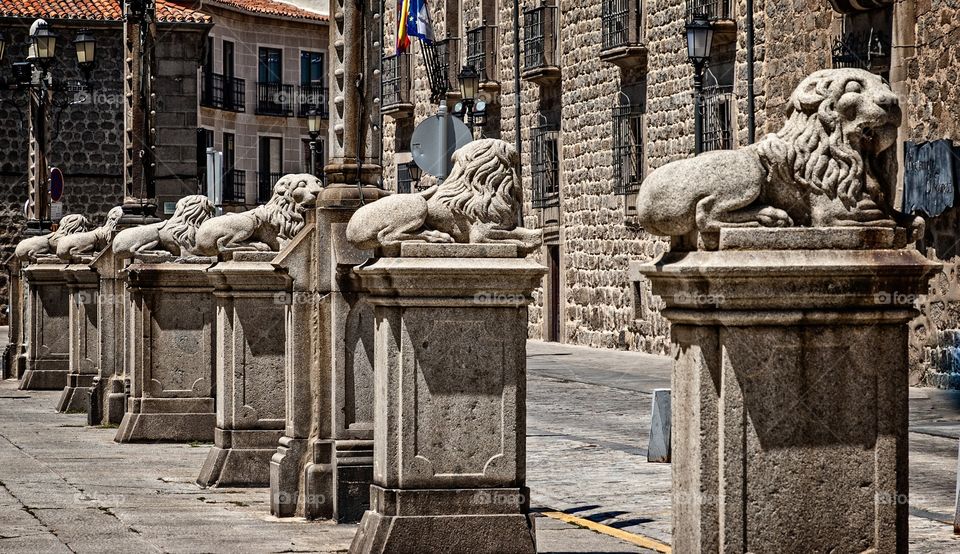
x=270 y=165
x=270 y=68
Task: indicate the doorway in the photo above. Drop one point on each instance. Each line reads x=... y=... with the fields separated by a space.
x=553 y=293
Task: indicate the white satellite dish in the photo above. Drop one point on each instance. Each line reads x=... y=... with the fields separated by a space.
x=436 y=139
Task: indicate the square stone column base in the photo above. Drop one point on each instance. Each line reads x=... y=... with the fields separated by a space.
x=168 y=419
x=338 y=484
x=76 y=395
x=46 y=375
x=239 y=458
x=285 y=476
x=486 y=521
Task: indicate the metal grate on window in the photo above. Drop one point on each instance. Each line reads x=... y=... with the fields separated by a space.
x=865 y=50
x=627 y=147
x=622 y=23
x=539 y=37
x=546 y=164
x=718 y=105
x=441 y=58
x=482 y=51
x=395 y=80
x=404 y=180
x=711 y=9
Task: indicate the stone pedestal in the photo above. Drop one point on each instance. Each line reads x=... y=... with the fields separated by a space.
x=172 y=354
x=450 y=383
x=324 y=463
x=789 y=396
x=14 y=356
x=47 y=326
x=83 y=284
x=107 y=397
x=251 y=295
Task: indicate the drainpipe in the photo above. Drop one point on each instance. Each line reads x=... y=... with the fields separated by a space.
x=516 y=97
x=751 y=100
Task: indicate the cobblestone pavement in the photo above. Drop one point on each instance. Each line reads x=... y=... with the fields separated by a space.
x=67 y=487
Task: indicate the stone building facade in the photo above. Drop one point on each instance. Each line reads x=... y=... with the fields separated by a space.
x=606 y=96
x=265 y=67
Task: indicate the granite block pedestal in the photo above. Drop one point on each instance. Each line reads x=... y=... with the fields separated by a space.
x=172 y=354
x=250 y=297
x=107 y=402
x=47 y=326
x=83 y=284
x=789 y=394
x=450 y=389
x=14 y=356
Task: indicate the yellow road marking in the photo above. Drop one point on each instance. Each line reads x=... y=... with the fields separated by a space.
x=632 y=538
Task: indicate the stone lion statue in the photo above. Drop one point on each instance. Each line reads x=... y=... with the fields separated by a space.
x=478 y=203
x=72 y=247
x=174 y=237
x=832 y=164
x=29 y=249
x=264 y=228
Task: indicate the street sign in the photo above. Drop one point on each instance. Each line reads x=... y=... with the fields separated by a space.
x=436 y=139
x=56 y=211
x=56 y=184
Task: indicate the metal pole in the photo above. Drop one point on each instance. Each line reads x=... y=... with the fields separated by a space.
x=313 y=157
x=516 y=96
x=751 y=102
x=698 y=109
x=444 y=116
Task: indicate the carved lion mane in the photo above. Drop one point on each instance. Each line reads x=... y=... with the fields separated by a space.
x=478 y=203
x=29 y=249
x=284 y=210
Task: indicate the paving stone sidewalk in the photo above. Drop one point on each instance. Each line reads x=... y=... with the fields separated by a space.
x=65 y=487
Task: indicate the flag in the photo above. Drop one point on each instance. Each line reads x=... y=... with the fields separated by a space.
x=413 y=20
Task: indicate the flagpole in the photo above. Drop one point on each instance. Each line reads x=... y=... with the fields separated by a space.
x=516 y=97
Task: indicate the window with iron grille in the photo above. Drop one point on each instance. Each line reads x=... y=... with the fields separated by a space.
x=235 y=186
x=539 y=37
x=211 y=93
x=235 y=95
x=711 y=9
x=718 y=105
x=404 y=180
x=546 y=164
x=622 y=23
x=395 y=80
x=627 y=147
x=441 y=59
x=865 y=50
x=481 y=51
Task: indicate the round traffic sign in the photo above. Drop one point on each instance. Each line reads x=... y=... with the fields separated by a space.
x=56 y=184
x=430 y=154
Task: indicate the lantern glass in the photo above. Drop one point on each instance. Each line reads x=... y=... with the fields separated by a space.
x=699 y=40
x=313 y=122
x=86 y=47
x=43 y=41
x=469 y=83
x=414 y=171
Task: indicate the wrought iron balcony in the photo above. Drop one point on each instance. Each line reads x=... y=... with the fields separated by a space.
x=482 y=51
x=718 y=105
x=627 y=148
x=265 y=182
x=225 y=93
x=442 y=59
x=274 y=99
x=545 y=167
x=235 y=186
x=395 y=86
x=540 y=44
x=312 y=97
x=712 y=9
x=623 y=33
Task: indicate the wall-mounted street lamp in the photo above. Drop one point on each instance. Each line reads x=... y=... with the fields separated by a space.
x=313 y=128
x=86 y=47
x=469 y=107
x=415 y=173
x=699 y=42
x=43 y=43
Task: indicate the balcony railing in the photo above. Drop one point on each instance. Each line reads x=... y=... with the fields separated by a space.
x=622 y=24
x=312 y=97
x=711 y=9
x=275 y=99
x=265 y=182
x=482 y=51
x=235 y=186
x=395 y=83
x=225 y=93
x=442 y=59
x=627 y=148
x=546 y=167
x=718 y=105
x=539 y=38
